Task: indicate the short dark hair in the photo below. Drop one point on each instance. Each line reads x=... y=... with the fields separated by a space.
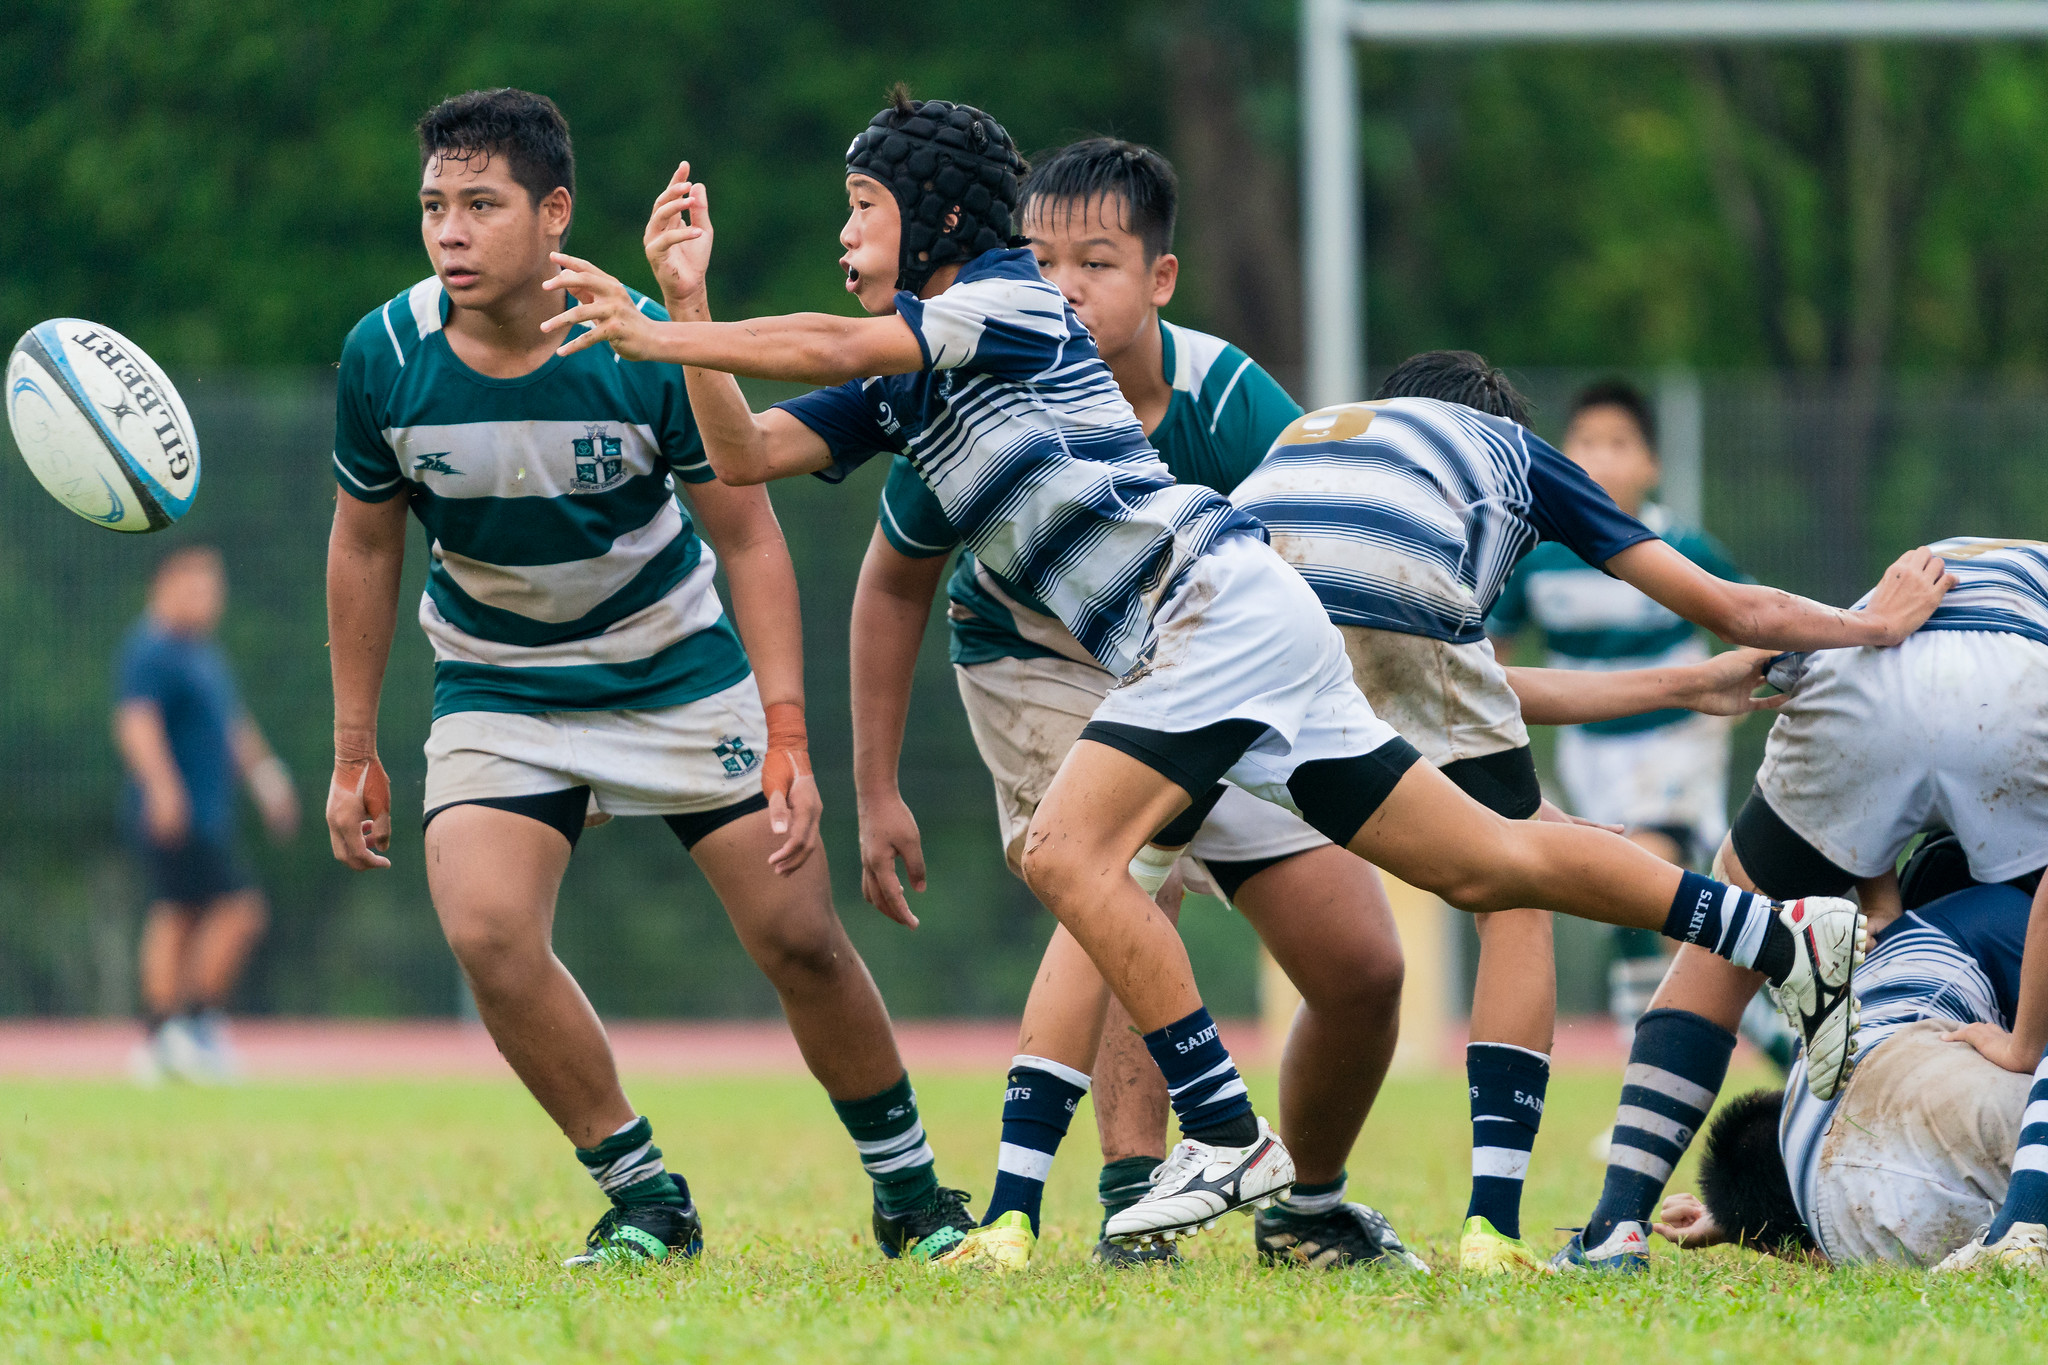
x=1742 y=1176
x=1134 y=176
x=1619 y=393
x=524 y=128
x=1457 y=377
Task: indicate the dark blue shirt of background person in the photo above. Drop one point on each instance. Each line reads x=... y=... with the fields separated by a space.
x=187 y=678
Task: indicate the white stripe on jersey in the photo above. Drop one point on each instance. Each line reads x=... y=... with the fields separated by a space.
x=572 y=589
x=1916 y=973
x=516 y=459
x=692 y=605
x=2001 y=585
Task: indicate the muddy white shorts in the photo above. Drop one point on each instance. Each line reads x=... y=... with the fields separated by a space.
x=1919 y=1152
x=1949 y=729
x=1244 y=638
x=1451 y=701
x=1026 y=714
x=1674 y=777
x=703 y=755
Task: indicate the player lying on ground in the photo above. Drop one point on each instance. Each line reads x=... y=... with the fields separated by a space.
x=1663 y=777
x=1928 y=1141
x=584 y=668
x=1406 y=515
x=1228 y=667
x=1872 y=747
x=1099 y=217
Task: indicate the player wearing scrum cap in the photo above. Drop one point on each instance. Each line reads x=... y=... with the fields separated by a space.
x=971 y=363
x=1099 y=217
x=584 y=669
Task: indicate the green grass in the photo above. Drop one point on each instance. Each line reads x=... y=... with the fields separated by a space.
x=426 y=1222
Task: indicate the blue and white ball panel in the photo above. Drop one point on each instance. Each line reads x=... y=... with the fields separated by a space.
x=101 y=427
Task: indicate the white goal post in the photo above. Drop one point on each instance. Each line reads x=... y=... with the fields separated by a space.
x=1333 y=208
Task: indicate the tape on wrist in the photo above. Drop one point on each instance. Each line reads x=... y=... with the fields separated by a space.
x=789 y=752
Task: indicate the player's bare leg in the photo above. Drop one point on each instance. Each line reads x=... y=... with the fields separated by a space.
x=1101 y=809
x=494 y=877
x=219 y=945
x=792 y=932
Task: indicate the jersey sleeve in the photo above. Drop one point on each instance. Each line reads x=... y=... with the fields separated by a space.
x=1009 y=327
x=365 y=465
x=675 y=425
x=910 y=516
x=1250 y=414
x=1566 y=506
x=846 y=421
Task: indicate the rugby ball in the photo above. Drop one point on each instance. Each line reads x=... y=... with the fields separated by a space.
x=100 y=426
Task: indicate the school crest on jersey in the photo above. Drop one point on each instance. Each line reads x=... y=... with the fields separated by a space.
x=736 y=755
x=600 y=461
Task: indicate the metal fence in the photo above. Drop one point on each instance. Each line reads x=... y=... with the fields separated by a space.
x=1811 y=485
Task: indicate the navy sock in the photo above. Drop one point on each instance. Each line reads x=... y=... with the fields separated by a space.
x=1675 y=1068
x=2026 y=1199
x=1507 y=1084
x=1738 y=925
x=1208 y=1095
x=1038 y=1104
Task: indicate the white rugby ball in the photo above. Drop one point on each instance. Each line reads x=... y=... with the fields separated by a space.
x=100 y=426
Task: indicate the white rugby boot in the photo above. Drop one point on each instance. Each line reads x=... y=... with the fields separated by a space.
x=1197 y=1184
x=1828 y=944
x=2024 y=1247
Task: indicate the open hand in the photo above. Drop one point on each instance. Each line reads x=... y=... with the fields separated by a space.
x=1996 y=1045
x=604 y=307
x=888 y=831
x=1909 y=592
x=679 y=251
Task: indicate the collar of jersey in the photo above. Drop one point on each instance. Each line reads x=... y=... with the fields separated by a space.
x=482 y=380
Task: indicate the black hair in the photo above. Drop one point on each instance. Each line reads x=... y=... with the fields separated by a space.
x=1742 y=1176
x=1112 y=170
x=1619 y=393
x=524 y=128
x=1457 y=377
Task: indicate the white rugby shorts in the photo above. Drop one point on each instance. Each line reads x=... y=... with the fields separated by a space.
x=700 y=756
x=1949 y=729
x=1919 y=1152
x=1451 y=701
x=1026 y=714
x=1243 y=637
x=1674 y=775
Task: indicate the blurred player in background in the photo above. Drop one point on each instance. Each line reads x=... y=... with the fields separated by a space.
x=1663 y=776
x=1099 y=216
x=186 y=740
x=584 y=669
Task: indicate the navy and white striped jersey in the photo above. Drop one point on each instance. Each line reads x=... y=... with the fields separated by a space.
x=1038 y=462
x=2001 y=585
x=1956 y=958
x=1408 y=514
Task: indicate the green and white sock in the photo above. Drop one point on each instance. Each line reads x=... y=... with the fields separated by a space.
x=890 y=1139
x=1308 y=1200
x=1123 y=1183
x=627 y=1166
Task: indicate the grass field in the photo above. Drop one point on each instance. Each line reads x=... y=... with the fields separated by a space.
x=426 y=1222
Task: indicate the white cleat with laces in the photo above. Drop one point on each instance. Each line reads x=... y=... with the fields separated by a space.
x=2024 y=1247
x=1828 y=944
x=1197 y=1184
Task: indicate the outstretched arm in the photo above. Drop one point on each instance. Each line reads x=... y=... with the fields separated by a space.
x=1721 y=686
x=1770 y=618
x=890 y=608
x=741 y=526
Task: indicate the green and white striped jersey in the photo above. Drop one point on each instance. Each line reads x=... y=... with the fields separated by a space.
x=564 y=573
x=1219 y=423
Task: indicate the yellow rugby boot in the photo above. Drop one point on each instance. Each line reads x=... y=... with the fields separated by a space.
x=1483 y=1251
x=1003 y=1246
